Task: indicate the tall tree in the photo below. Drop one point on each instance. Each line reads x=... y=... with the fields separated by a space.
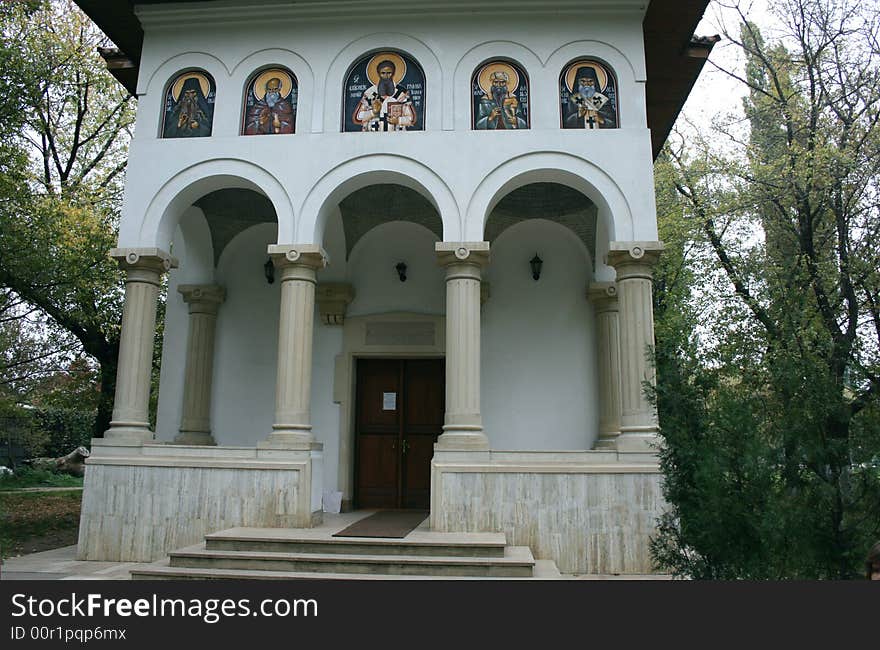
x=773 y=428
x=70 y=124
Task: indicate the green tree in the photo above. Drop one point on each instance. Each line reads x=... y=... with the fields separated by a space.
x=67 y=126
x=770 y=414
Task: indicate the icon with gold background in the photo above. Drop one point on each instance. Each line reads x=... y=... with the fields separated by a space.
x=189 y=106
x=270 y=103
x=500 y=97
x=588 y=96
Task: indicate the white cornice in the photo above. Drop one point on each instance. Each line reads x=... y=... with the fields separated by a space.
x=215 y=13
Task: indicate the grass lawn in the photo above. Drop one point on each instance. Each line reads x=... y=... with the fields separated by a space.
x=38 y=521
x=26 y=477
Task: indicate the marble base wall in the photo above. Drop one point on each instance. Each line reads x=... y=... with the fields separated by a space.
x=587 y=511
x=142 y=501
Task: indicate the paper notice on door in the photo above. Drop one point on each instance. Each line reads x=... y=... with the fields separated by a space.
x=389 y=401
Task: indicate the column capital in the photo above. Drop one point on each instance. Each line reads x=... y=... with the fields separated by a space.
x=450 y=253
x=202 y=298
x=634 y=258
x=603 y=295
x=143 y=259
x=307 y=255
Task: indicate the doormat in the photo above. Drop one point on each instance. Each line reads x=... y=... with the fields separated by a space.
x=385 y=523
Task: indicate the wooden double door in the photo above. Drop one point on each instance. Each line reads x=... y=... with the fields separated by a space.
x=399 y=415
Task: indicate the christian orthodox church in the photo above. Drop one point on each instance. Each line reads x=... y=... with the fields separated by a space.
x=406 y=254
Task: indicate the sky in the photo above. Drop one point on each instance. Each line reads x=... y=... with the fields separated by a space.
x=716 y=92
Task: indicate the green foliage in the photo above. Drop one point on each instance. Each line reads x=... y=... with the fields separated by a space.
x=51 y=432
x=769 y=358
x=18 y=436
x=27 y=477
x=64 y=429
x=65 y=125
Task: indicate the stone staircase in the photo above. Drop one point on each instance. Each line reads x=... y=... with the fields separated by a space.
x=285 y=554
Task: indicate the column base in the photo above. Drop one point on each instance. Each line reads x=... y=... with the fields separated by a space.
x=607 y=441
x=287 y=440
x=195 y=438
x=458 y=439
x=129 y=433
x=639 y=439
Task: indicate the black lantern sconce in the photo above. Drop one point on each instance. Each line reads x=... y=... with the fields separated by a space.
x=401 y=271
x=536 y=263
x=269 y=271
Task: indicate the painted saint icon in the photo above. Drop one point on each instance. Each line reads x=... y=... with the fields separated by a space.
x=270 y=103
x=588 y=96
x=501 y=97
x=384 y=92
x=189 y=106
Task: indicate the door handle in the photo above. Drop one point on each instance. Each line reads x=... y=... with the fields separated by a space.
x=405 y=445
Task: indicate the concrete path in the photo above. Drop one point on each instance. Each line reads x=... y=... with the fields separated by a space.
x=61 y=564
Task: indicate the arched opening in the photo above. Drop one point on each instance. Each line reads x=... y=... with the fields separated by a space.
x=538 y=350
x=388 y=377
x=221 y=240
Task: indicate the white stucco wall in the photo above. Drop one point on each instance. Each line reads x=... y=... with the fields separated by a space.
x=462 y=171
x=538 y=346
x=371 y=271
x=192 y=247
x=246 y=347
x=539 y=377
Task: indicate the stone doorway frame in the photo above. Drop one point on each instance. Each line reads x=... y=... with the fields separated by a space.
x=392 y=335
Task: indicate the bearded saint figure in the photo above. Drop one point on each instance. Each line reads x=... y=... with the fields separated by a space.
x=271 y=114
x=501 y=110
x=385 y=106
x=587 y=102
x=191 y=116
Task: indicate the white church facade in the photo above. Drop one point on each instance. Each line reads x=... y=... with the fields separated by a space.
x=371 y=290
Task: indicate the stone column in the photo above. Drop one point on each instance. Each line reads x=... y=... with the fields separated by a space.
x=195 y=423
x=297 y=265
x=463 y=424
x=603 y=295
x=634 y=262
x=143 y=268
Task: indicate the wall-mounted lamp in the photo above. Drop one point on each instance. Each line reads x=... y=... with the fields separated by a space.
x=269 y=271
x=401 y=271
x=536 y=263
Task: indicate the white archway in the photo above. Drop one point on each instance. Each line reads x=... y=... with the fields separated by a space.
x=551 y=167
x=363 y=171
x=192 y=183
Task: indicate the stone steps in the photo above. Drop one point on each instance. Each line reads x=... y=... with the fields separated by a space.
x=285 y=554
x=416 y=543
x=544 y=570
x=517 y=562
